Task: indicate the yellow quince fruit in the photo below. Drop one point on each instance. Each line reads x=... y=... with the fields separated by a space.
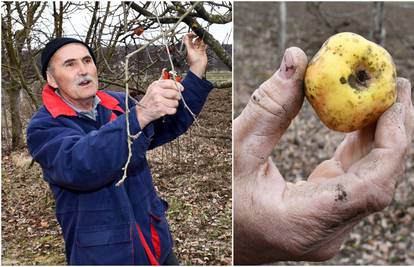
x=350 y=82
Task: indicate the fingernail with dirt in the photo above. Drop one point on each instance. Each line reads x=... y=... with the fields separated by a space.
x=287 y=67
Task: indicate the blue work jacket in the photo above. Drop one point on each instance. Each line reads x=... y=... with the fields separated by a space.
x=82 y=160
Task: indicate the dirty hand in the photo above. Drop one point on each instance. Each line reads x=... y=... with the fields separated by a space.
x=161 y=98
x=196 y=54
x=276 y=220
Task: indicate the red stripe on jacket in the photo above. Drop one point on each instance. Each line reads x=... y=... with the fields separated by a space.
x=57 y=107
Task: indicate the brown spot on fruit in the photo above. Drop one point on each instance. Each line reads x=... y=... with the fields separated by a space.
x=342 y=80
x=359 y=80
x=352 y=105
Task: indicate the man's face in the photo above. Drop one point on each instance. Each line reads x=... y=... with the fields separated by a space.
x=72 y=70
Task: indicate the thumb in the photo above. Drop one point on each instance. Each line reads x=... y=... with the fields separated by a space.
x=187 y=39
x=270 y=109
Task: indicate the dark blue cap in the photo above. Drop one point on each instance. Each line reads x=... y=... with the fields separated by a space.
x=54 y=45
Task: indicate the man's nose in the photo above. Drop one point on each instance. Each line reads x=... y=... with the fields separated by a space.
x=83 y=70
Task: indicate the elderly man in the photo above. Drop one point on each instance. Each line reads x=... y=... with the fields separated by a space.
x=79 y=138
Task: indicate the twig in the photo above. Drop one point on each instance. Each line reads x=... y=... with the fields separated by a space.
x=130 y=137
x=172 y=64
x=120 y=85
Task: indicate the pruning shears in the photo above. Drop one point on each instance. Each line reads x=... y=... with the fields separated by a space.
x=167 y=74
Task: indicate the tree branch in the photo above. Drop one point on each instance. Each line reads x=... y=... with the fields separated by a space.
x=216 y=19
x=207 y=37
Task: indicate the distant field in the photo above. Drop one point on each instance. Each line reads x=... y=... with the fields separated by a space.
x=219 y=76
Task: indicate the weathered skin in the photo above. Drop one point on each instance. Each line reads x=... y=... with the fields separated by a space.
x=350 y=82
x=275 y=220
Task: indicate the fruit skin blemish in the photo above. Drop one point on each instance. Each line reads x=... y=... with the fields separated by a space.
x=350 y=82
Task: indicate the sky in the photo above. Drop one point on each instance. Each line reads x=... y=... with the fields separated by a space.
x=79 y=22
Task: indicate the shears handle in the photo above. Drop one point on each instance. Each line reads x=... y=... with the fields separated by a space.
x=166 y=75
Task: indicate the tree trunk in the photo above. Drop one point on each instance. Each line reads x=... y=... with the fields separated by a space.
x=58 y=16
x=5 y=123
x=283 y=30
x=89 y=38
x=17 y=132
x=378 y=34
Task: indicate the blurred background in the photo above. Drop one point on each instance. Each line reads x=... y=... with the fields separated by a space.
x=262 y=31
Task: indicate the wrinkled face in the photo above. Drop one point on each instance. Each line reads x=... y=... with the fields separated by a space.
x=72 y=70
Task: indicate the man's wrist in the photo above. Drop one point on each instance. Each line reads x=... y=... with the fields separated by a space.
x=142 y=119
x=199 y=70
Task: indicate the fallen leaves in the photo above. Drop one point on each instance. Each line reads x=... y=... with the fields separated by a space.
x=194 y=175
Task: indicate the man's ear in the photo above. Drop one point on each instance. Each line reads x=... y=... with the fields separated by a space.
x=51 y=80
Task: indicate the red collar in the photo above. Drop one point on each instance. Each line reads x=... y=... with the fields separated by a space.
x=56 y=106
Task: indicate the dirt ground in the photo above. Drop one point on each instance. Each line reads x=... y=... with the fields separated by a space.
x=383 y=238
x=192 y=173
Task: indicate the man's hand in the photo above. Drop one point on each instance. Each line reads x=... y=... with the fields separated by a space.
x=162 y=98
x=196 y=54
x=275 y=220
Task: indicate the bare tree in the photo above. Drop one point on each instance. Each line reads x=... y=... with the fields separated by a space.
x=114 y=31
x=378 y=32
x=180 y=8
x=15 y=80
x=283 y=26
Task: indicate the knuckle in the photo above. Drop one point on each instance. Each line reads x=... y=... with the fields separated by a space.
x=319 y=254
x=271 y=104
x=401 y=148
x=173 y=111
x=307 y=248
x=157 y=106
x=169 y=83
x=380 y=196
x=158 y=99
x=153 y=85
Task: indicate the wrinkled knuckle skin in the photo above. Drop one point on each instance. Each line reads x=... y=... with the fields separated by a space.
x=272 y=107
x=320 y=255
x=158 y=100
x=380 y=197
x=153 y=85
x=306 y=249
